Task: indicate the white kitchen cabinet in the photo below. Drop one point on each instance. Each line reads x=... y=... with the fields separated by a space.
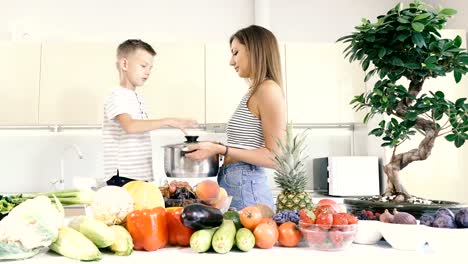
x=75 y=79
x=321 y=83
x=176 y=87
x=19 y=79
x=224 y=87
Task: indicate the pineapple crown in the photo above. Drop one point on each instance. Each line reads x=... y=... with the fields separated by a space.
x=290 y=174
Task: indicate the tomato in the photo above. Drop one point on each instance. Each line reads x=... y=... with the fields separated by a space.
x=324 y=208
x=340 y=219
x=269 y=221
x=265 y=235
x=250 y=217
x=289 y=234
x=330 y=202
x=325 y=220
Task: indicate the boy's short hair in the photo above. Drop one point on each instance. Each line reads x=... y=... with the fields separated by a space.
x=131 y=45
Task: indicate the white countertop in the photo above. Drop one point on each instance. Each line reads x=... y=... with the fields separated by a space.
x=376 y=254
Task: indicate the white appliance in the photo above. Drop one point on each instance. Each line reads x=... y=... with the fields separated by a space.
x=347 y=175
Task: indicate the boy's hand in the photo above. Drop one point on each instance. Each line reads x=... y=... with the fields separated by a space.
x=203 y=150
x=182 y=124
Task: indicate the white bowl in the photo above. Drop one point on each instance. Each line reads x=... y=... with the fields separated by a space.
x=403 y=237
x=446 y=239
x=368 y=232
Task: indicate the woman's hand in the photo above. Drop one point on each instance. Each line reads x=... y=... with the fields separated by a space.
x=203 y=150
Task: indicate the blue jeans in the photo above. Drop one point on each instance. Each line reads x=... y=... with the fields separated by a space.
x=247 y=184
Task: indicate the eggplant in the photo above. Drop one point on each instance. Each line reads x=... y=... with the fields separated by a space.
x=199 y=216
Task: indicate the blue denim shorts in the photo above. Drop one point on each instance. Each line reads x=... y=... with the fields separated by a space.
x=246 y=183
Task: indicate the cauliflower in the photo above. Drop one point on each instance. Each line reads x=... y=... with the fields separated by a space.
x=30 y=226
x=111 y=204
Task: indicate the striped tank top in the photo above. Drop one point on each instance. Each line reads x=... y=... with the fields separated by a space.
x=244 y=130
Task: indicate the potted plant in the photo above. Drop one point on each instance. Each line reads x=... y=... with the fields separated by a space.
x=405 y=45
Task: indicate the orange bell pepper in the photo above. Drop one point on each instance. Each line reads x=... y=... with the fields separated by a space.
x=148 y=228
x=179 y=234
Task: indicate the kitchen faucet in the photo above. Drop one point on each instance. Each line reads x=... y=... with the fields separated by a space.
x=60 y=183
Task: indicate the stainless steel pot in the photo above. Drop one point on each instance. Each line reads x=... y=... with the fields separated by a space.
x=178 y=166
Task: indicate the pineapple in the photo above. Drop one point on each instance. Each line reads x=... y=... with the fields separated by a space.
x=290 y=174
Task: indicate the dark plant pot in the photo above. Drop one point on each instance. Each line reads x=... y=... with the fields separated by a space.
x=355 y=205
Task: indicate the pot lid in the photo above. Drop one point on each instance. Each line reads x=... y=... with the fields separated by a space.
x=189 y=140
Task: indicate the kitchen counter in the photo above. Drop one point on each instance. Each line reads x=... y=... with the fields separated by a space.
x=377 y=254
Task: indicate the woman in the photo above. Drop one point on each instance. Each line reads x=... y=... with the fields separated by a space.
x=256 y=125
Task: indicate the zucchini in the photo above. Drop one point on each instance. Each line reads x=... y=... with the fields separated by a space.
x=245 y=239
x=200 y=241
x=223 y=238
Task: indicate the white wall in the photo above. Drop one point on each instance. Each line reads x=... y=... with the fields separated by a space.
x=191 y=20
x=99 y=20
x=197 y=21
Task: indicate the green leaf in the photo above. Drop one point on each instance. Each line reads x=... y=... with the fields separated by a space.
x=402 y=27
x=422 y=16
x=448 y=12
x=382 y=52
x=457 y=75
x=450 y=137
x=457 y=41
x=401 y=37
x=397 y=61
x=412 y=65
x=418 y=40
x=463 y=59
x=430 y=60
x=403 y=20
x=411 y=116
x=376 y=132
x=418 y=27
x=439 y=94
x=365 y=64
x=460 y=102
x=459 y=141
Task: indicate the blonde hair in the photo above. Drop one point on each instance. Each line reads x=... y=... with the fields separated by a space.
x=265 y=61
x=131 y=45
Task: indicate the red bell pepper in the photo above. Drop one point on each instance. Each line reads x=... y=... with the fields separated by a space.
x=148 y=228
x=179 y=234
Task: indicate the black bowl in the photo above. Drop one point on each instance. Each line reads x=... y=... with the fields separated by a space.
x=356 y=205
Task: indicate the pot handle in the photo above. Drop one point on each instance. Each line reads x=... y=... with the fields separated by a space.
x=184 y=151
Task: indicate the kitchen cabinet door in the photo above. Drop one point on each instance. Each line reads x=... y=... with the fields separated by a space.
x=75 y=79
x=176 y=87
x=224 y=87
x=19 y=79
x=321 y=83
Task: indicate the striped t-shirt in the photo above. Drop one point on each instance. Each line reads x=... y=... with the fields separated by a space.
x=130 y=154
x=244 y=130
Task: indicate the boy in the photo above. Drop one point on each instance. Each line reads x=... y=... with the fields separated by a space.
x=126 y=138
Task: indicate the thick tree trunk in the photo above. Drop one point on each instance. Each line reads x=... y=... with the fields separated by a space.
x=400 y=161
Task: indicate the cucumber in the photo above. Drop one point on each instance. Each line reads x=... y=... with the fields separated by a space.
x=200 y=241
x=223 y=238
x=245 y=239
x=234 y=216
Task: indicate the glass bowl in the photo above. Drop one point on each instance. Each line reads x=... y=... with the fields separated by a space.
x=328 y=238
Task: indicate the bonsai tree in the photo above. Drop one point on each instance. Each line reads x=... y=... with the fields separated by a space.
x=405 y=43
